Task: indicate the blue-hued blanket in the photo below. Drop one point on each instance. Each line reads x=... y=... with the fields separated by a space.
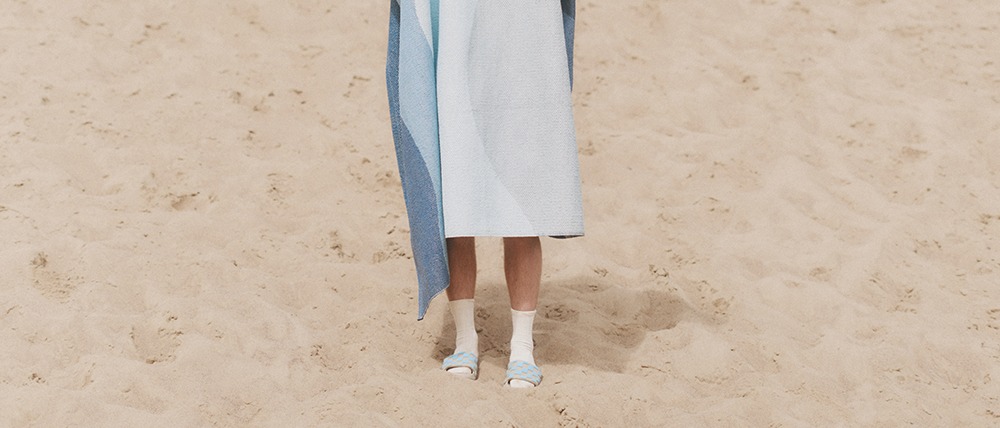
x=482 y=122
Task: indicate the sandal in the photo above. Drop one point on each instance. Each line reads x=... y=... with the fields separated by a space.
x=463 y=359
x=525 y=371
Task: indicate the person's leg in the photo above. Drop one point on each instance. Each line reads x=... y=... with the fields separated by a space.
x=462 y=268
x=461 y=293
x=523 y=269
x=522 y=262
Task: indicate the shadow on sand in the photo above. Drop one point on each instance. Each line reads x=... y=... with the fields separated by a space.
x=583 y=321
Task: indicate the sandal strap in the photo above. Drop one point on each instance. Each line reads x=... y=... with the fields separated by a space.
x=525 y=371
x=461 y=359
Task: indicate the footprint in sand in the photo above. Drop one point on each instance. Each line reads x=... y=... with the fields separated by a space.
x=391 y=250
x=279 y=188
x=51 y=282
x=559 y=312
x=186 y=202
x=156 y=341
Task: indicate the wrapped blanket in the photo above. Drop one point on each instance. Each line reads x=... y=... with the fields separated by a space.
x=479 y=97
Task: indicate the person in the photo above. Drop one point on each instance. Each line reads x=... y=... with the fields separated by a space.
x=480 y=97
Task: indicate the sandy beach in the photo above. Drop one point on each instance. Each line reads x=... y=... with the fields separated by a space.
x=792 y=219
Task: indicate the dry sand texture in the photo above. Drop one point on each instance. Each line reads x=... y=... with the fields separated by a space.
x=793 y=217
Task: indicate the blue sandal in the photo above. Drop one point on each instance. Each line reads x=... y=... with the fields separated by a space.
x=462 y=359
x=525 y=371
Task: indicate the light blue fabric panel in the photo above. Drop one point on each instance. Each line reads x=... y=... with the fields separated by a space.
x=509 y=162
x=479 y=97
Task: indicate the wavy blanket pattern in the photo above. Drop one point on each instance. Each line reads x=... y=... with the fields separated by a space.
x=479 y=96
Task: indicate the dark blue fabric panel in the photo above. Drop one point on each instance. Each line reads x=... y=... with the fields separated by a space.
x=569 y=25
x=422 y=200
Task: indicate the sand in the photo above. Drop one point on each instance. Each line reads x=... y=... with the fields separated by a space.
x=792 y=216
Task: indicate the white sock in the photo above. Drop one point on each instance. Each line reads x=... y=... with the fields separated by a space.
x=522 y=345
x=466 y=339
